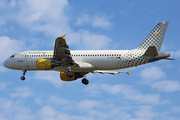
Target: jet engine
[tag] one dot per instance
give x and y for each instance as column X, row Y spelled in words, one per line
column 64, row 76
column 46, row 64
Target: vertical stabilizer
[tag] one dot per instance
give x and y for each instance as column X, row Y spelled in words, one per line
column 155, row 37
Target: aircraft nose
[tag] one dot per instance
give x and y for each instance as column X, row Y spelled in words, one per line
column 6, row 63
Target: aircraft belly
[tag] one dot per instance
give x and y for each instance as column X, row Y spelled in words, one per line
column 73, row 69
column 102, row 63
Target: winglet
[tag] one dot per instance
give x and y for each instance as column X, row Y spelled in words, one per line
column 63, row 36
column 128, row 72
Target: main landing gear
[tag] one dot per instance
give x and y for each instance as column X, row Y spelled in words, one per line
column 85, row 81
column 22, row 77
column 69, row 74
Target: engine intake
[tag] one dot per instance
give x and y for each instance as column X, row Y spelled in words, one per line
column 46, row 64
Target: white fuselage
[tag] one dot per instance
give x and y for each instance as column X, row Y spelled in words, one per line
column 88, row 60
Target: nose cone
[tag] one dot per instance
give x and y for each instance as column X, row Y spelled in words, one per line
column 7, row 63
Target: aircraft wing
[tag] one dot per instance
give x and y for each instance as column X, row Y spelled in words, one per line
column 62, row 52
column 109, row 72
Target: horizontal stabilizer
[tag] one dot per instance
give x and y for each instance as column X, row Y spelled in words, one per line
column 151, row 51
column 168, row 59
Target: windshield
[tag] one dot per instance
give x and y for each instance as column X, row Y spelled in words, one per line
column 12, row 56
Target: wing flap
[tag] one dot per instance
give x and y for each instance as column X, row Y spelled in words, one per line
column 109, row 72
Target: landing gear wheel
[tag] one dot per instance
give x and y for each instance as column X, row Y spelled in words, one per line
column 69, row 74
column 22, row 78
column 85, row 81
column 24, row 72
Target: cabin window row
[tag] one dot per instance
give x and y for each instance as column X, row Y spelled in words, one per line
column 38, row 55
column 116, row 55
column 98, row 55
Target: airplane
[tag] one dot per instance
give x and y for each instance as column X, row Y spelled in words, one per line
column 74, row 64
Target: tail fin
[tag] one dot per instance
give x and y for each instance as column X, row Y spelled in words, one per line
column 155, row 37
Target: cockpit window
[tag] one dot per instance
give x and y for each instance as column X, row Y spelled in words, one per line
column 12, row 56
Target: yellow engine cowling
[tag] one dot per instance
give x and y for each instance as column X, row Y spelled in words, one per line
column 44, row 64
column 64, row 77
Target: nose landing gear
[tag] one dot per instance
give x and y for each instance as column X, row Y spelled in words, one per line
column 24, row 72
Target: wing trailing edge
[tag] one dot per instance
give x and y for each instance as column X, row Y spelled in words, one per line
column 110, row 72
